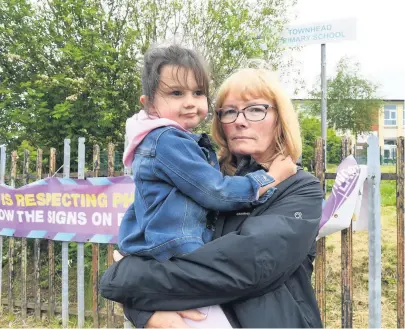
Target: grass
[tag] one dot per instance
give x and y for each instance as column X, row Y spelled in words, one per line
column 360, row 275
column 14, row 320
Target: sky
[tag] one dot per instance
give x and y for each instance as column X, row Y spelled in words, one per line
column 379, row 46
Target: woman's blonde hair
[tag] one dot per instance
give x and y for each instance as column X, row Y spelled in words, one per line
column 259, row 83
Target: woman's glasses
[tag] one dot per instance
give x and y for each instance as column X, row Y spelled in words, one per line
column 255, row 112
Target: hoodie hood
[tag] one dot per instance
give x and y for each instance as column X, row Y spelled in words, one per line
column 137, row 127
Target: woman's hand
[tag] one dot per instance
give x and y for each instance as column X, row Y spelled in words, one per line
column 163, row 319
column 117, row 256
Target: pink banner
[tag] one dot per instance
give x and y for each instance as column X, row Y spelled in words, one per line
column 63, row 209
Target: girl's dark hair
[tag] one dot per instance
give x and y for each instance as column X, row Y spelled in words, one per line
column 159, row 56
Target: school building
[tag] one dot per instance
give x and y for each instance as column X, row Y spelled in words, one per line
column 389, row 126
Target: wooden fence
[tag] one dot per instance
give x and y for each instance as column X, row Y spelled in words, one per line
column 44, row 289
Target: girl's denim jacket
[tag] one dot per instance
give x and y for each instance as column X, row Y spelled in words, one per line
column 178, row 182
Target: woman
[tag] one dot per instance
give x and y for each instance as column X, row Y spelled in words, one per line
column 259, row 266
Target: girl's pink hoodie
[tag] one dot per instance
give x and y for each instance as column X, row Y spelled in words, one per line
column 137, row 127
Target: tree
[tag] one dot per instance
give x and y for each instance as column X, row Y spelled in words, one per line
column 71, row 68
column 229, row 32
column 310, row 131
column 68, row 71
column 352, row 101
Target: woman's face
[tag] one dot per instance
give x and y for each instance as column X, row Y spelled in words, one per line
column 248, row 137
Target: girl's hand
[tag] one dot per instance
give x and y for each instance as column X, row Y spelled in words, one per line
column 282, row 168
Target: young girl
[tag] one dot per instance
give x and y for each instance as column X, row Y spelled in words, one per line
column 176, row 173
column 179, row 188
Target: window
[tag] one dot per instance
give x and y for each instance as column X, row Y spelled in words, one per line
column 390, row 151
column 390, row 115
column 390, row 142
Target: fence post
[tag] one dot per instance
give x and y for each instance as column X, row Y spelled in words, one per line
column 374, row 233
column 24, row 246
column 2, row 163
column 11, row 241
column 10, row 275
column 80, row 245
column 110, row 247
column 95, row 248
column 13, row 175
column 65, row 246
column 2, row 175
column 400, row 232
column 37, row 251
column 320, row 261
column 346, row 257
column 51, row 253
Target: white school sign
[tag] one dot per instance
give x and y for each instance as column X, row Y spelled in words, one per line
column 319, row 33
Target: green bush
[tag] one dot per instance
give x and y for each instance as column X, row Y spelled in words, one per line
column 311, row 130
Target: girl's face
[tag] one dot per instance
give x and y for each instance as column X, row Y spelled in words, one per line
column 246, row 137
column 179, row 98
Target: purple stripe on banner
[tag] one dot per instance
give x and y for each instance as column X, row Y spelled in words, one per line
column 21, row 233
column 122, row 180
column 50, row 235
column 83, row 182
column 82, row 237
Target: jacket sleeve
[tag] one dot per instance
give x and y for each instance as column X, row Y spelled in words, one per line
column 137, row 317
column 181, row 162
column 267, row 249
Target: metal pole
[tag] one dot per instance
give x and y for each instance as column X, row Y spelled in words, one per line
column 2, row 174
column 324, row 126
column 2, row 164
column 374, row 234
column 80, row 245
column 400, row 232
column 95, row 249
column 65, row 246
